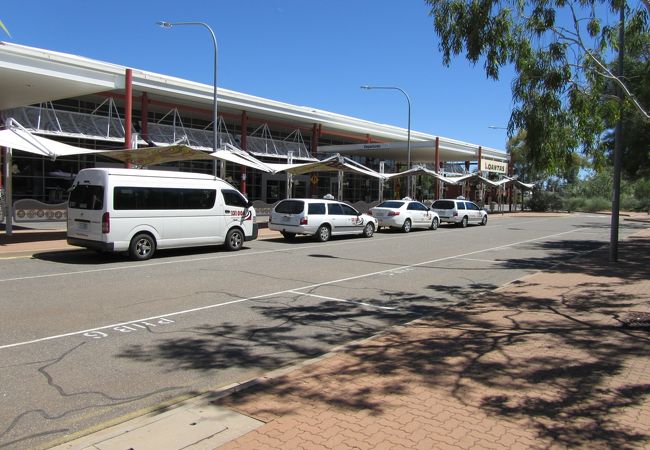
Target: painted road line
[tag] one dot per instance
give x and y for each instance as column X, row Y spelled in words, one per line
column 369, row 305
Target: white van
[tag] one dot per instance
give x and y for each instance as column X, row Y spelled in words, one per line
column 140, row 211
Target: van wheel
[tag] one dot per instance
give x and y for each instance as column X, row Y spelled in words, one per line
column 234, row 239
column 463, row 223
column 434, row 224
column 288, row 236
column 368, row 230
column 142, row 247
column 484, row 221
column 407, row 226
column 323, row 233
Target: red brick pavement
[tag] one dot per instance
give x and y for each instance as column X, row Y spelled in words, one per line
column 541, row 363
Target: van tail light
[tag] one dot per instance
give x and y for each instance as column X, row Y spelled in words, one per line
column 455, row 214
column 303, row 220
column 393, row 213
column 106, row 223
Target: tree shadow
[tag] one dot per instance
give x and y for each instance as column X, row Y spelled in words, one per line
column 556, row 364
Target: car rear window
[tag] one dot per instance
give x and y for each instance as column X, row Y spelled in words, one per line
column 316, row 208
column 390, row 204
column 290, row 207
column 86, row 196
column 443, row 204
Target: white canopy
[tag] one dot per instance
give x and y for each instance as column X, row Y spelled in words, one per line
column 334, row 163
column 21, row 139
column 421, row 170
column 237, row 156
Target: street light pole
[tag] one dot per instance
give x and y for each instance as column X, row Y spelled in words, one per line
column 215, row 126
column 408, row 139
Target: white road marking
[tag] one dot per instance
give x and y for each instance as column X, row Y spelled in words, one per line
column 369, row 305
column 286, row 291
column 491, row 261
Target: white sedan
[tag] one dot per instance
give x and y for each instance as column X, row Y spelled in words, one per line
column 405, row 214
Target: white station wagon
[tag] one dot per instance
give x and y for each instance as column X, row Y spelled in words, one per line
column 460, row 212
column 320, row 218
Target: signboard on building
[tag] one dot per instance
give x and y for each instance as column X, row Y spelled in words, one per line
column 494, row 166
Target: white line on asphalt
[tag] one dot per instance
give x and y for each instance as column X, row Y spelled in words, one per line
column 480, row 260
column 311, row 286
column 369, row 305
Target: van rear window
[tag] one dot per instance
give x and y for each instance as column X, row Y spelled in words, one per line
column 290, row 207
column 131, row 198
column 86, row 196
column 443, row 204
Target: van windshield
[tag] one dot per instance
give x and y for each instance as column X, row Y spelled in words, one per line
column 86, row 196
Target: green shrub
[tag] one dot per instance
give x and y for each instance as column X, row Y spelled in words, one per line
column 574, row 204
column 542, row 201
column 597, row 204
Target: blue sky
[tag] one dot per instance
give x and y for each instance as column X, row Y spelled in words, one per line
column 301, row 52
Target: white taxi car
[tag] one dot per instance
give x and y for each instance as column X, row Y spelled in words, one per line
column 405, row 214
column 460, row 212
column 321, row 218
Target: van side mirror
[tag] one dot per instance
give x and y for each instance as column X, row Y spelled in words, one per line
column 249, row 204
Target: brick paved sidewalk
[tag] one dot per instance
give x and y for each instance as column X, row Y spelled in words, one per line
column 542, row 363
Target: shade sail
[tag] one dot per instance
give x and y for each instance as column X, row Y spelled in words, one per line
column 237, row 156
column 333, row 163
column 21, row 139
column 421, row 170
column 148, row 156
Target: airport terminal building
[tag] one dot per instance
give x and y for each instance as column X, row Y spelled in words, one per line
column 97, row 105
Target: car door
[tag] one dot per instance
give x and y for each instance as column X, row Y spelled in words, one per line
column 420, row 214
column 336, row 218
column 353, row 221
column 473, row 212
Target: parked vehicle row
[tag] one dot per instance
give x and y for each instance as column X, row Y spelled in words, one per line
column 323, row 218
column 140, row 211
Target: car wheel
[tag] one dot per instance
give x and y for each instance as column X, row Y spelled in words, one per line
column 142, row 247
column 463, row 223
column 369, row 230
column 484, row 221
column 323, row 233
column 434, row 223
column 234, row 239
column 288, row 236
column 407, row 226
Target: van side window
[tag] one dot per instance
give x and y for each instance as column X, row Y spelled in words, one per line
column 316, row 208
column 460, row 205
column 85, row 196
column 147, row 198
column 234, row 198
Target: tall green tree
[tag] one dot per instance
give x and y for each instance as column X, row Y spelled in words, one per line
column 559, row 50
column 636, row 135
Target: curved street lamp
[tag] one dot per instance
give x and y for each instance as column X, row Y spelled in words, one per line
column 408, row 139
column 215, row 135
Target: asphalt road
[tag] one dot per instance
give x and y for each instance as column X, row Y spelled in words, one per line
column 87, row 340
